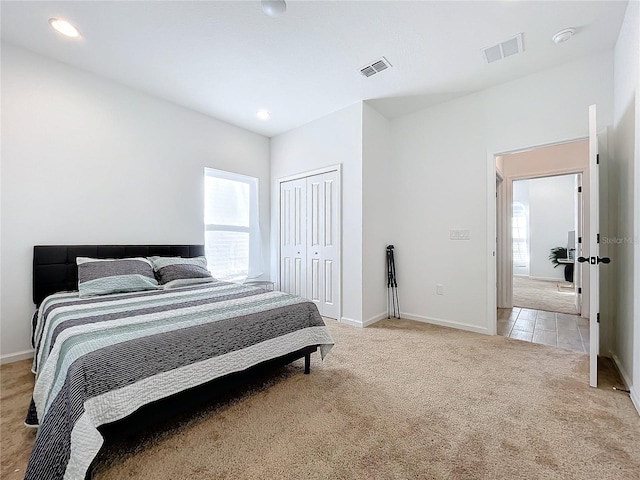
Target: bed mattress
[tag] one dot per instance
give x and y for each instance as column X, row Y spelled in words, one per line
column 99, row 359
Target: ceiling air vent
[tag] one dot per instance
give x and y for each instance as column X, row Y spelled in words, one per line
column 503, row 49
column 375, row 67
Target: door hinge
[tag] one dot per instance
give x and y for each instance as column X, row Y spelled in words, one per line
column 579, row 239
column 579, row 290
column 579, row 189
column 598, row 238
column 597, row 159
column 598, row 317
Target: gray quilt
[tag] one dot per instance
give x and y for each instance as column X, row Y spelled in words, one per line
column 100, row 359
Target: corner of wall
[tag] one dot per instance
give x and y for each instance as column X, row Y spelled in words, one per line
column 626, row 161
column 634, row 392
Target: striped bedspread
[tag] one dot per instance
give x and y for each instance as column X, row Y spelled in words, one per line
column 100, row 359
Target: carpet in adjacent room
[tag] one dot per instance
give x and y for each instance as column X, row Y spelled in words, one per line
column 543, row 295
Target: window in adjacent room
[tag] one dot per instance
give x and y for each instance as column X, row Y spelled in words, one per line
column 231, row 223
column 520, row 235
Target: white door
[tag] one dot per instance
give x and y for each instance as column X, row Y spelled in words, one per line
column 309, row 240
column 293, row 237
column 322, row 242
column 593, row 258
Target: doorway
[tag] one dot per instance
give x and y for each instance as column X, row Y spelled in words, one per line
column 540, row 219
column 546, row 226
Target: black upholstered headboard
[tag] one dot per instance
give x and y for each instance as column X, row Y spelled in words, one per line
column 55, row 269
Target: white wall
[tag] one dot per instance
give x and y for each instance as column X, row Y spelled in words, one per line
column 441, row 179
column 88, row 161
column 377, row 211
column 550, row 106
column 551, row 216
column 634, row 23
column 440, row 184
column 331, row 140
column 624, row 185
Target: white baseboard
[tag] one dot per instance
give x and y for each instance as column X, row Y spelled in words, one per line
column 366, row 323
column 374, row 319
column 549, row 279
column 635, row 398
column 16, row 357
column 623, row 373
column 351, row 321
column 633, row 392
column 445, row 323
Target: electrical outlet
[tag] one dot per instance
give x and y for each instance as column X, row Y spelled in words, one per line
column 440, row 289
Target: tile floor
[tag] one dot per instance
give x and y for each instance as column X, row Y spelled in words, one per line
column 549, row 328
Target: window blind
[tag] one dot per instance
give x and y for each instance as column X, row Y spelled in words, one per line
column 233, row 245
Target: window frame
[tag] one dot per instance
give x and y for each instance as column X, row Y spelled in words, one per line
column 520, row 242
column 254, row 213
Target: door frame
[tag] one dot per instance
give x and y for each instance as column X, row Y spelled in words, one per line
column 310, row 173
column 492, row 232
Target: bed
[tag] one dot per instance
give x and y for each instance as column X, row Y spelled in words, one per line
column 101, row 360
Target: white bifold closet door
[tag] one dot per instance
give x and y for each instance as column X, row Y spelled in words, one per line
column 293, row 237
column 309, row 240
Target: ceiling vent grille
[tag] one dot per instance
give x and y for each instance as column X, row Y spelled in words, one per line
column 375, row 67
column 503, row 49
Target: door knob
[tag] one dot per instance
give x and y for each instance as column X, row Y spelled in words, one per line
column 593, row 260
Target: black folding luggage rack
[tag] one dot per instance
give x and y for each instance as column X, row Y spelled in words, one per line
column 392, row 285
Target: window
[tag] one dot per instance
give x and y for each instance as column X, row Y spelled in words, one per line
column 520, row 235
column 231, row 223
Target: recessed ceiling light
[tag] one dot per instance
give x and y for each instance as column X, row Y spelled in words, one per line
column 274, row 8
column 263, row 115
column 563, row 35
column 64, row 27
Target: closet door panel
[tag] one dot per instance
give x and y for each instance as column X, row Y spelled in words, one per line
column 315, row 290
column 329, row 250
column 314, row 214
column 309, row 240
column 315, row 227
column 328, row 282
column 293, row 234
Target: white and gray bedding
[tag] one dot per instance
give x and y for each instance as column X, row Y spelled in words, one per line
column 100, row 359
column 169, row 269
column 104, row 276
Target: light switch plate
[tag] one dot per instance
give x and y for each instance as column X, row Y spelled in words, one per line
column 459, row 234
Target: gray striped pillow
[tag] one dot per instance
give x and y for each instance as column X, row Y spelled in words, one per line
column 104, row 276
column 169, row 269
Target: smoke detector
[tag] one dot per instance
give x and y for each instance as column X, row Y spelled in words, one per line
column 503, row 49
column 375, row 67
column 274, row 8
column 563, row 35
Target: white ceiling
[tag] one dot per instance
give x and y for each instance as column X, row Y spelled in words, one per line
column 228, row 59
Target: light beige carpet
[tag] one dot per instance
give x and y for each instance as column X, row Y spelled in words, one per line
column 398, row 400
column 543, row 295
